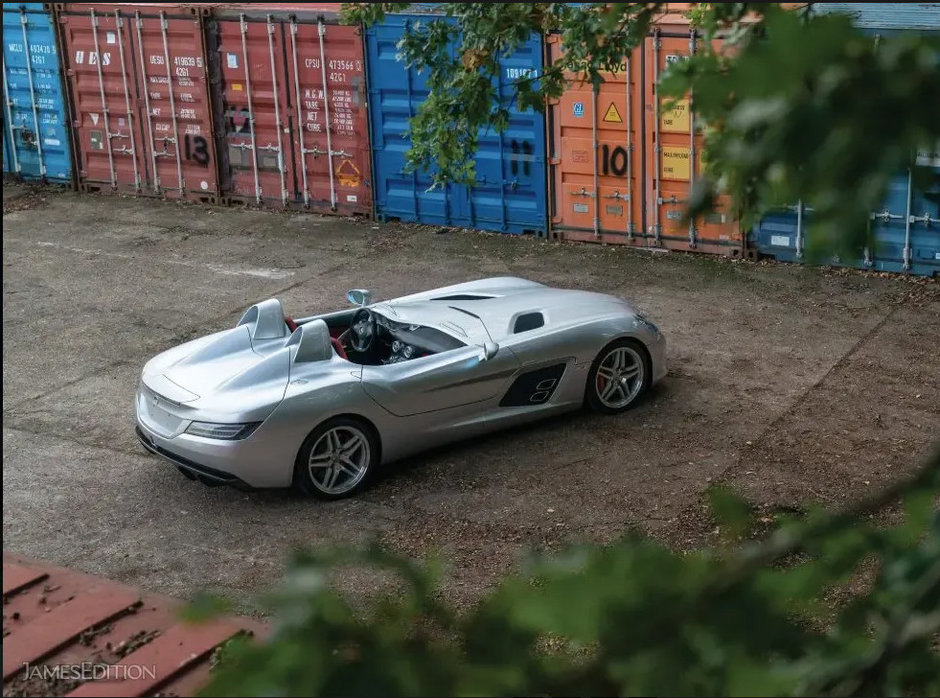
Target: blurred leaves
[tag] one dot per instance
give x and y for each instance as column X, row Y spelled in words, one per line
column 632, row 618
column 794, row 105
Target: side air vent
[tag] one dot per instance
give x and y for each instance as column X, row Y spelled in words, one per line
column 528, row 321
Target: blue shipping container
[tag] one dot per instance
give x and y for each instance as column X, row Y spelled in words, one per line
column 905, row 231
column 903, row 16
column 36, row 133
column 510, row 194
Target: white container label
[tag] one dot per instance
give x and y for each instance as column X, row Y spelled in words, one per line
column 231, row 60
column 52, row 141
column 352, row 198
column 581, row 208
column 111, row 38
column 780, row 241
column 936, row 255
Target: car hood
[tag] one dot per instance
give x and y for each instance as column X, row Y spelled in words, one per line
column 225, row 365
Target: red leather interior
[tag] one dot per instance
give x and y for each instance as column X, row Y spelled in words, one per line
column 291, row 325
column 338, row 347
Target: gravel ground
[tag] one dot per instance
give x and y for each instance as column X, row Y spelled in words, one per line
column 789, row 383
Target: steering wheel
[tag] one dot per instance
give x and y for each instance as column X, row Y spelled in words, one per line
column 362, row 330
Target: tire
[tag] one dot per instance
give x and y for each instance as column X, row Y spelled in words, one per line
column 634, row 368
column 321, row 473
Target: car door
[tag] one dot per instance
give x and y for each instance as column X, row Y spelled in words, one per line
column 450, row 379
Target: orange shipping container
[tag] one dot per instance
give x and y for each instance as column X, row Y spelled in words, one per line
column 623, row 166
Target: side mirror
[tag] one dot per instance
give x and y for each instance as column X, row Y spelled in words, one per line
column 359, row 296
column 489, row 350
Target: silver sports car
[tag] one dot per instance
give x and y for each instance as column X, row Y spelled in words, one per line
column 321, row 402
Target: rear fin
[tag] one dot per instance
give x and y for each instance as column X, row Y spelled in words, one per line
column 265, row 320
column 312, row 340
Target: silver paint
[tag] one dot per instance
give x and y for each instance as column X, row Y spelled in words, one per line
column 292, row 382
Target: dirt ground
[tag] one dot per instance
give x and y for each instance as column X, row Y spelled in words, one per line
column 789, row 383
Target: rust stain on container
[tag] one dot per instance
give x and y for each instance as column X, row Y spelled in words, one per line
column 292, row 122
column 141, row 108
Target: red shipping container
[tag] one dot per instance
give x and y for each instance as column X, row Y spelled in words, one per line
column 140, row 104
column 292, row 125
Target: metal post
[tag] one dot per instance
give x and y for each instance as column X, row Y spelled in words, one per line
column 7, row 103
column 691, row 146
column 301, row 125
column 277, row 112
column 169, row 87
column 657, row 150
column 251, row 110
column 32, row 91
column 119, row 24
column 143, row 70
column 629, row 198
column 907, row 224
column 596, row 146
column 321, row 31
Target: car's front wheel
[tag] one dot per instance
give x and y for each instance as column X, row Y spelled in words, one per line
column 337, row 459
column 619, row 376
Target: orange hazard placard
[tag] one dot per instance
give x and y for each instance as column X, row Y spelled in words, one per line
column 348, row 174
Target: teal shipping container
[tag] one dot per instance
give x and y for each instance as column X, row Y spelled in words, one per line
column 35, row 124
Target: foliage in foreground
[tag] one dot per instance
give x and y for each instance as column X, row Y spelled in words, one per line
column 632, row 618
column 794, row 105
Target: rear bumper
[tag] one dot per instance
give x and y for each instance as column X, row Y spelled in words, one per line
column 251, row 462
column 205, row 472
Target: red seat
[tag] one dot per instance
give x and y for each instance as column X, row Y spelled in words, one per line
column 338, row 347
column 291, row 325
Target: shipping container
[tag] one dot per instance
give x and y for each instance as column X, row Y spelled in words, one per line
column 905, row 231
column 140, row 103
column 594, row 139
column 35, row 127
column 890, row 16
column 291, row 112
column 624, row 159
column 510, row 193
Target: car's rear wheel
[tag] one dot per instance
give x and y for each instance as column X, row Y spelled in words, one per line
column 337, row 459
column 619, row 376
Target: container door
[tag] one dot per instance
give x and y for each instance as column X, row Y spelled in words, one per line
column 99, row 56
column 674, row 157
column 925, row 219
column 171, row 68
column 254, row 139
column 595, row 172
column 394, row 96
column 36, row 136
column 330, row 142
column 509, row 196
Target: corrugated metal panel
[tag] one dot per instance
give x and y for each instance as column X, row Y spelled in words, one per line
column 291, row 122
column 921, row 16
column 36, row 133
column 623, row 166
column 510, row 193
column 143, row 117
column 905, row 230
